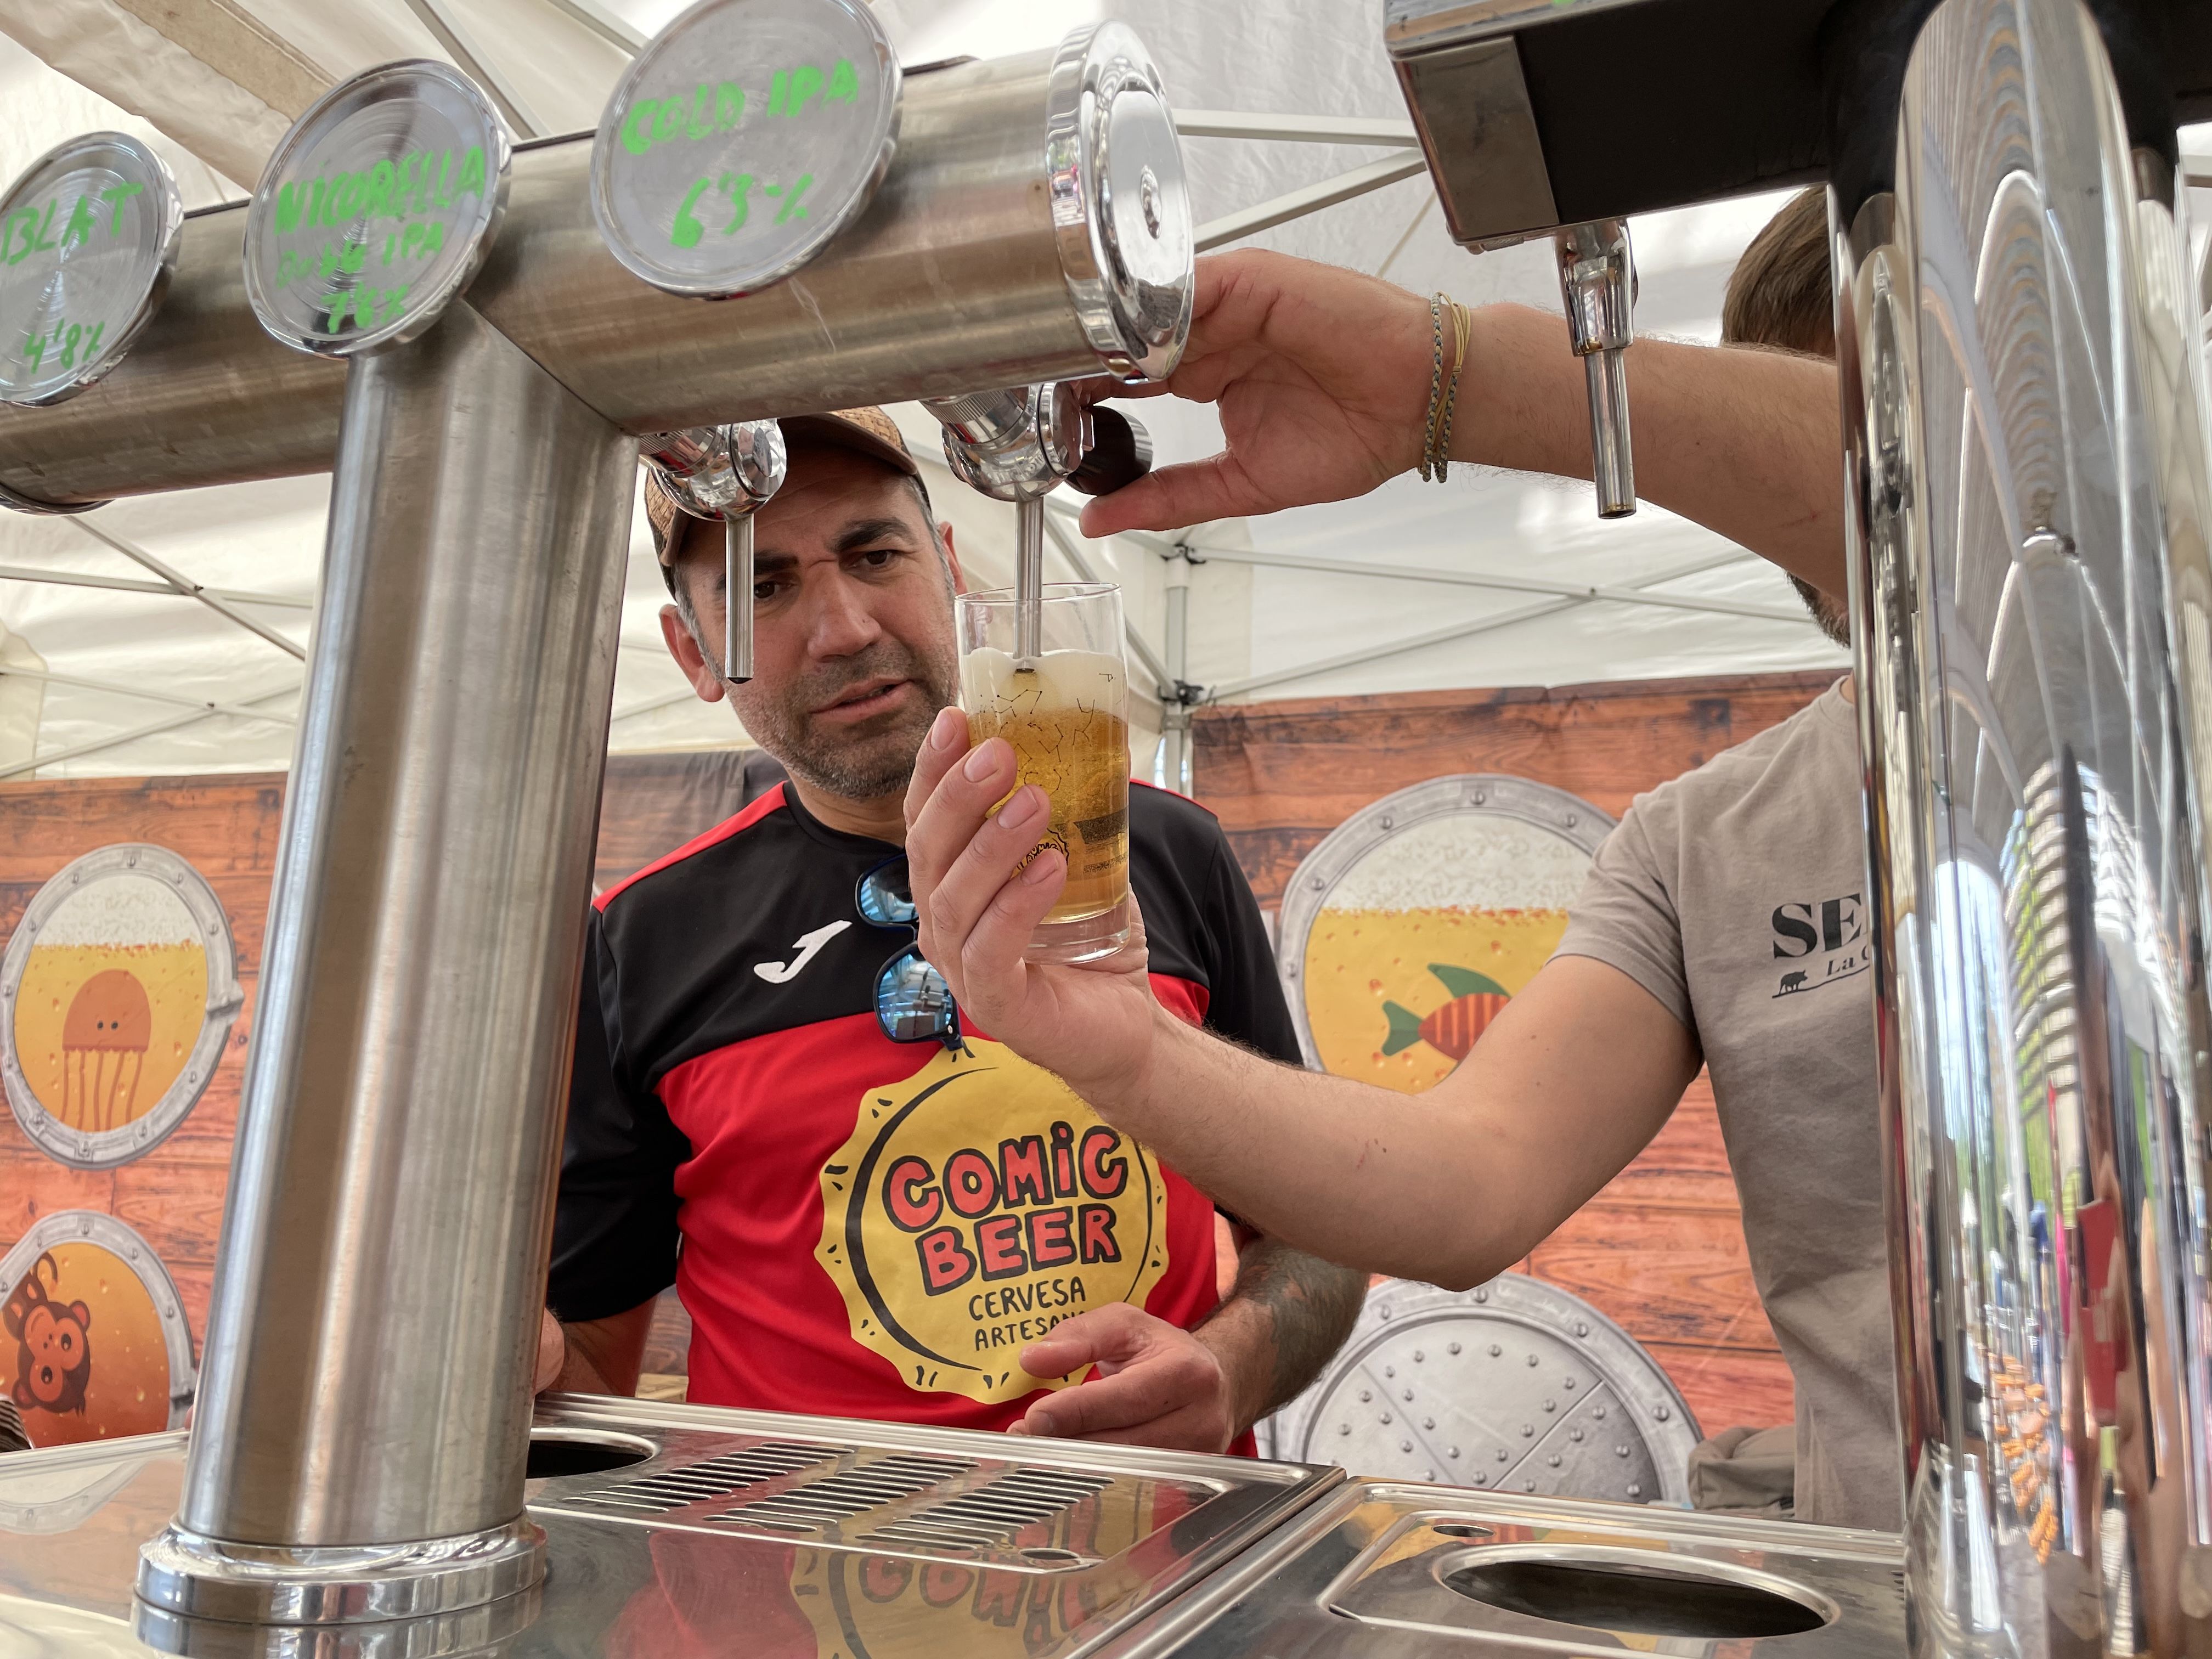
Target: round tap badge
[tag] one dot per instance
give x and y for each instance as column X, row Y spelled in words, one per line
column 376, row 209
column 745, row 136
column 88, row 237
column 1421, row 916
column 118, row 990
column 93, row 1342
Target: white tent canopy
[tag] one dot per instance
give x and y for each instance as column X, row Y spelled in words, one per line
column 132, row 677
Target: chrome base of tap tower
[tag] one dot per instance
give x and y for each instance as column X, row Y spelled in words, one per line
column 197, row 1578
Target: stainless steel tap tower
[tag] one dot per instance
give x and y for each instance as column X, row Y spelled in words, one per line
column 360, row 1447
column 2030, row 503
column 2024, row 414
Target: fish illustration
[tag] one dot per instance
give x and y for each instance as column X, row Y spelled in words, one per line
column 1452, row 1029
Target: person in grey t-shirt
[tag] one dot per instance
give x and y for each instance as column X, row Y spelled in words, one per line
column 1723, row 924
column 1735, row 895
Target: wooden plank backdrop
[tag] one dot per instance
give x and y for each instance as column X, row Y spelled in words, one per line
column 1660, row 1250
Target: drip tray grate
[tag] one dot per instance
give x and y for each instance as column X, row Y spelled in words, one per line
column 667, row 1491
column 811, row 1505
column 994, row 1514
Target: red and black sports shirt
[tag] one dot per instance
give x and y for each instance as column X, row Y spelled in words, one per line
column 859, row 1227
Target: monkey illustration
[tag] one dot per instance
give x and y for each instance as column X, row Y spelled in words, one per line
column 53, row 1355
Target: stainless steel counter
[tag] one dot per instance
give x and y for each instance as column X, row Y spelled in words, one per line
column 723, row 1531
column 1380, row 1569
column 809, row 1538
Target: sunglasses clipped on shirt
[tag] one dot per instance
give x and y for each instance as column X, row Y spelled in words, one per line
column 912, row 1002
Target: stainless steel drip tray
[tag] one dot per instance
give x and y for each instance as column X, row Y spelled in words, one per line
column 1027, row 1506
column 1375, row 1568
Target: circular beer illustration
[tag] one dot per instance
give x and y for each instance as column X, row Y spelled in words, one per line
column 93, row 1342
column 1413, row 925
column 116, row 993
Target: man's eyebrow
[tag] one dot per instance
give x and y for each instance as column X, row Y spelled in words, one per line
column 866, row 532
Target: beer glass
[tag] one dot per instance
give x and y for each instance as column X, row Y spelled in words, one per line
column 1066, row 714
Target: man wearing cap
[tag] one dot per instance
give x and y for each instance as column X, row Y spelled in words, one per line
column 869, row 1208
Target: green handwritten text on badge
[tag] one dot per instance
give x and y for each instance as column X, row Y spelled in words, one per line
column 427, row 182
column 31, row 230
column 707, row 109
column 72, row 346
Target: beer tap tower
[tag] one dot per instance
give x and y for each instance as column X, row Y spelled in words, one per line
column 2027, row 513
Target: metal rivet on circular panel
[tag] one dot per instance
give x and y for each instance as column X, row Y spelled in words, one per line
column 375, row 209
column 88, row 237
column 742, row 140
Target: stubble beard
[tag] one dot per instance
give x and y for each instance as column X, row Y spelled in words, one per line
column 859, row 762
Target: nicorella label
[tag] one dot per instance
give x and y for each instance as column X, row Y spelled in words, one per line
column 376, row 209
column 745, row 138
column 88, row 236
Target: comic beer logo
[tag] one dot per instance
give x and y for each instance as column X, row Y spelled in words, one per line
column 118, row 990
column 978, row 1204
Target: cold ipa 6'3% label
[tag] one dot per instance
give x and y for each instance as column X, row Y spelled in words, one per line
column 1065, row 717
column 744, row 137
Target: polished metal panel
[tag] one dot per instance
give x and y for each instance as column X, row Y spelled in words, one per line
column 953, row 281
column 1514, row 1386
column 367, row 1369
column 2033, row 611
column 1380, row 1569
column 1470, row 107
column 740, row 1531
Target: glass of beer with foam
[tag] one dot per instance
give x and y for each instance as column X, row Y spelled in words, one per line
column 1067, row 713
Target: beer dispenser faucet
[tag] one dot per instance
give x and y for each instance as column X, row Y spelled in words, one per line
column 1597, row 278
column 724, row 473
column 1019, row 446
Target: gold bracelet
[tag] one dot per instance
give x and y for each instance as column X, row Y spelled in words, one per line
column 1443, row 395
column 1462, row 325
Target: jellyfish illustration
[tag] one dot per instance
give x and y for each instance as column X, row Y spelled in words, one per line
column 105, row 1036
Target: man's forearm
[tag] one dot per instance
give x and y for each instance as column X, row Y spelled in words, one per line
column 1742, row 441
column 1283, row 1317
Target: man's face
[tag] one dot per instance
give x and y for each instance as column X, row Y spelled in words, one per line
column 854, row 651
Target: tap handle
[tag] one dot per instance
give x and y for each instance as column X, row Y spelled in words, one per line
column 1121, row 454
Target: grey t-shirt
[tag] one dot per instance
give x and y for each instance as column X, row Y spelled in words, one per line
column 1734, row 894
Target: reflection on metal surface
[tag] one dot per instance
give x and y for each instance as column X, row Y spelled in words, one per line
column 725, row 474
column 2023, row 406
column 1017, row 1550
column 1370, row 1570
column 119, row 989
column 1514, row 1385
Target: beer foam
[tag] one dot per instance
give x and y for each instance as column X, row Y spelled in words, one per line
column 126, row 909
column 1482, row 861
column 1061, row 680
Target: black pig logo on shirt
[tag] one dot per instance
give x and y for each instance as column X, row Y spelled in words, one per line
column 978, row 1204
